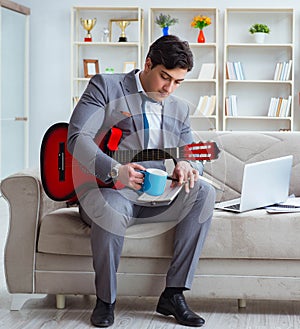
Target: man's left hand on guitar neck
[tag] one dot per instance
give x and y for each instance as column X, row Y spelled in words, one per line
column 184, row 173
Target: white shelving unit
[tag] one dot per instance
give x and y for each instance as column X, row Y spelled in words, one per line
column 193, row 88
column 110, row 53
column 258, row 61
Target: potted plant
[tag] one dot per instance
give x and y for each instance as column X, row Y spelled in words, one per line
column 164, row 21
column 259, row 31
column 200, row 22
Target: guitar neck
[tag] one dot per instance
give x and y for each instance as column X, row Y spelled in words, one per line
column 126, row 156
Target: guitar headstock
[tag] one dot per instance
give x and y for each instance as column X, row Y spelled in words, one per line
column 202, row 151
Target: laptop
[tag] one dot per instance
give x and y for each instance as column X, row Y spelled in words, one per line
column 264, row 183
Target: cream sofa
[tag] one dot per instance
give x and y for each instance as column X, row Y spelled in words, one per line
column 253, row 255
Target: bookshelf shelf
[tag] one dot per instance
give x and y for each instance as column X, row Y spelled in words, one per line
column 193, row 88
column 105, row 48
column 253, row 94
column 261, row 117
column 106, row 44
column 260, row 81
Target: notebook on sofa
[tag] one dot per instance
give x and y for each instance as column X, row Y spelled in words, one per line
column 264, row 183
column 165, row 199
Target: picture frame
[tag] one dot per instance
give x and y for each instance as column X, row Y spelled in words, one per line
column 90, row 67
column 128, row 66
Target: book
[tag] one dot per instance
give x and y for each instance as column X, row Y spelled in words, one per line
column 231, row 105
column 276, row 73
column 283, row 71
column 235, row 71
column 231, row 75
column 207, row 71
column 165, row 199
column 292, row 204
column 271, row 107
column 238, row 70
column 288, row 106
column 211, row 104
column 197, row 110
column 227, row 106
column 288, row 71
column 201, row 105
column 170, row 193
column 206, row 105
column 279, row 107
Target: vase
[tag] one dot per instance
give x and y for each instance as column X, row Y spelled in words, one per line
column 259, row 37
column 165, row 30
column 201, row 37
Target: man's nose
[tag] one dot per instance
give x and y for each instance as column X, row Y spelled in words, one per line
column 169, row 86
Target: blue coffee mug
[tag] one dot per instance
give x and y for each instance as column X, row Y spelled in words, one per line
column 154, row 181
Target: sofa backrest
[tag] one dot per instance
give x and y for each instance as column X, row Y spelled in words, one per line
column 239, row 148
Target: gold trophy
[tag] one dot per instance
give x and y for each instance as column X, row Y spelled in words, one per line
column 123, row 25
column 88, row 25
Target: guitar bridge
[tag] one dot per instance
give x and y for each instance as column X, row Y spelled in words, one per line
column 61, row 162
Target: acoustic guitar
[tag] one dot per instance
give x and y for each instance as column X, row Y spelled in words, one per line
column 63, row 177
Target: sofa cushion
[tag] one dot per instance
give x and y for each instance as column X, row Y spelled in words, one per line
column 63, row 232
column 254, row 234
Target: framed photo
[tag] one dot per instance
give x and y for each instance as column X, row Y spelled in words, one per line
column 90, row 67
column 128, row 66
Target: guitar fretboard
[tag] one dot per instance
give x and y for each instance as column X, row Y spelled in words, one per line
column 126, row 156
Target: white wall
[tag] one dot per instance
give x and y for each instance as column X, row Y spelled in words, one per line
column 50, row 92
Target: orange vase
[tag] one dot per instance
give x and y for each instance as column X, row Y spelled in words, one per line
column 201, row 37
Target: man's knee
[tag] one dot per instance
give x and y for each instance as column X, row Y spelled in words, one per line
column 206, row 201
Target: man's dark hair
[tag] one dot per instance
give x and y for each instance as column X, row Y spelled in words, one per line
column 171, row 52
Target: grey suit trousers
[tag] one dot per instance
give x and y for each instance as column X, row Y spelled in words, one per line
column 110, row 212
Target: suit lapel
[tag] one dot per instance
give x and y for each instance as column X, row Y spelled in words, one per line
column 133, row 101
column 168, row 124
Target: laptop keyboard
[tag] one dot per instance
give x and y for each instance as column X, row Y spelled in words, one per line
column 234, row 206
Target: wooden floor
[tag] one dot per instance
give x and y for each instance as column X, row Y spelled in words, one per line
column 138, row 313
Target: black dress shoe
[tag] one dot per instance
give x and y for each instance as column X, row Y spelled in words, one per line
column 103, row 314
column 176, row 306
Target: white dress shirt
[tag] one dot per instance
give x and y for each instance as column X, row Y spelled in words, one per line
column 154, row 115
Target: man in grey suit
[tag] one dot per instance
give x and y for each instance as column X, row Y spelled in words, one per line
column 140, row 105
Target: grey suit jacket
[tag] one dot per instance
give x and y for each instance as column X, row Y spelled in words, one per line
column 113, row 100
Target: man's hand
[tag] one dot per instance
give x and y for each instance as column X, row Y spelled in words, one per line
column 185, row 174
column 129, row 176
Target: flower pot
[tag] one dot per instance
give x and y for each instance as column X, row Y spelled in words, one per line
column 259, row 37
column 165, row 30
column 201, row 37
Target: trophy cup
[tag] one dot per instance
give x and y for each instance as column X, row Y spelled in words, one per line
column 88, row 25
column 123, row 25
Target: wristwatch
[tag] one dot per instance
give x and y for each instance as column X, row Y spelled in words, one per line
column 114, row 173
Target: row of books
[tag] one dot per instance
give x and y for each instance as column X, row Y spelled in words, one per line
column 279, row 107
column 283, row 71
column 235, row 71
column 231, row 105
column 206, row 105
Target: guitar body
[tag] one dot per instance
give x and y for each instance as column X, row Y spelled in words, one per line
column 59, row 168
column 58, row 186
column 64, row 178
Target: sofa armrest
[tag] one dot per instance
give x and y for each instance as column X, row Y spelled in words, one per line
column 27, row 204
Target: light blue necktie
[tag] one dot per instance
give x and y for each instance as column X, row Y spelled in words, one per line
column 145, row 121
column 146, row 99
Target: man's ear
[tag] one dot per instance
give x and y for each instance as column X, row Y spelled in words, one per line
column 148, row 64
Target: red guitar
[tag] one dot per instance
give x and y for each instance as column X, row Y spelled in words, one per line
column 59, row 168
